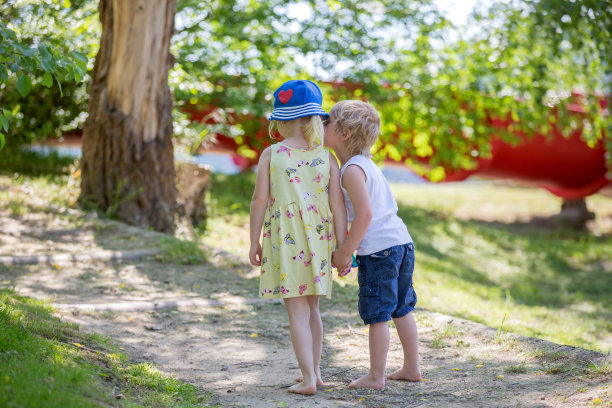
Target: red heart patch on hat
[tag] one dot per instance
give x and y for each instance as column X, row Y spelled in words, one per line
column 284, row 96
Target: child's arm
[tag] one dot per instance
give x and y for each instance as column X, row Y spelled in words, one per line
column 354, row 181
column 336, row 201
column 261, row 196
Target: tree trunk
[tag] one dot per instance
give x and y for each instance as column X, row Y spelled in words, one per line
column 575, row 214
column 128, row 164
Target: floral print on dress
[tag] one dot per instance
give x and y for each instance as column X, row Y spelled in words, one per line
column 297, row 235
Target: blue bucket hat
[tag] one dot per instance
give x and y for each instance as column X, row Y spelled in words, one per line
column 297, row 98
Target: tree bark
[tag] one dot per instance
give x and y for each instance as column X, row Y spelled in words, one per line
column 128, row 160
column 575, row 214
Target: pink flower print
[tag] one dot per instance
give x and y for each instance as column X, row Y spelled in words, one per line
column 284, row 291
column 327, row 237
column 303, row 163
column 266, row 290
column 307, row 263
column 303, row 288
column 318, row 178
column 268, row 234
column 290, row 214
column 299, row 256
column 313, row 207
column 312, row 254
column 272, row 200
column 317, row 279
column 284, row 149
column 295, row 180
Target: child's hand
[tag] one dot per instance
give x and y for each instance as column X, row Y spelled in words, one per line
column 341, row 262
column 343, row 272
column 255, row 254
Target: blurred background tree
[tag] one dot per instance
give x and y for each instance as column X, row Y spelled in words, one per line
column 42, row 43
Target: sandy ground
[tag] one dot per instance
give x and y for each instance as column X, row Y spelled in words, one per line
column 204, row 325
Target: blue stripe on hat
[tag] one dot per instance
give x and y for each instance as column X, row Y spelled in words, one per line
column 294, row 112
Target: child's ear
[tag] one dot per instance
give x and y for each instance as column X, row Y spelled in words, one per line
column 345, row 136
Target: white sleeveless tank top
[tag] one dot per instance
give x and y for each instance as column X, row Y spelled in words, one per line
column 386, row 228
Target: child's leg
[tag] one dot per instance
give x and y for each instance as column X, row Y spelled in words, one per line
column 408, row 334
column 316, row 328
column 298, row 309
column 379, row 347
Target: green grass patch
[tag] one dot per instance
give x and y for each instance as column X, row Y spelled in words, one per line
column 602, row 367
column 45, row 362
column 180, row 252
column 25, row 162
column 486, row 253
column 517, row 369
column 230, row 195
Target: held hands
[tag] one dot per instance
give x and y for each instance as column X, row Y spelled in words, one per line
column 255, row 254
column 342, row 263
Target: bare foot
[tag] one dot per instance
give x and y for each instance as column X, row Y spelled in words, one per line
column 319, row 380
column 304, row 389
column 368, row 382
column 406, row 375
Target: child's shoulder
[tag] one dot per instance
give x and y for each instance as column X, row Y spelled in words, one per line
column 266, row 154
column 359, row 160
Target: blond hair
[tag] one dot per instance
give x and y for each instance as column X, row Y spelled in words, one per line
column 362, row 121
column 311, row 127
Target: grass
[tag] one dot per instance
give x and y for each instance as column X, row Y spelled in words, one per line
column 603, row 367
column 547, row 281
column 14, row 160
column 180, row 252
column 486, row 253
column 30, row 181
column 517, row 369
column 50, row 363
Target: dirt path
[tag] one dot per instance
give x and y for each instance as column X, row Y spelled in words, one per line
column 205, row 325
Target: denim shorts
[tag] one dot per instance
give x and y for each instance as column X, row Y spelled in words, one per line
column 385, row 284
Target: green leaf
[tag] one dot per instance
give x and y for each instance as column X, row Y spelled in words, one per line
column 3, row 74
column 27, row 51
column 80, row 56
column 1, row 140
column 5, row 123
column 48, row 65
column 45, row 54
column 24, row 83
column 48, row 80
column 69, row 75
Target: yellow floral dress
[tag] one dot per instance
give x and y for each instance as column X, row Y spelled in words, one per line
column 298, row 235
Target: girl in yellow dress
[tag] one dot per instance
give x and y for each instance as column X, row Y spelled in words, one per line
column 297, row 190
